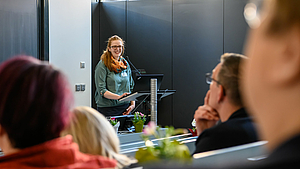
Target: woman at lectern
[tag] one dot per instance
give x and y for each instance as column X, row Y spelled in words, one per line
column 113, row 80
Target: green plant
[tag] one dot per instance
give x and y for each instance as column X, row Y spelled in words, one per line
column 113, row 121
column 138, row 116
column 166, row 149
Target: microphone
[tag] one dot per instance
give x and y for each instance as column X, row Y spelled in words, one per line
column 127, row 57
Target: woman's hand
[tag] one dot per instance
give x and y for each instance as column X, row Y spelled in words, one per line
column 129, row 109
column 123, row 95
column 113, row 96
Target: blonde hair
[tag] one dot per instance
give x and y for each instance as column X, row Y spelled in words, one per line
column 106, row 56
column 95, row 135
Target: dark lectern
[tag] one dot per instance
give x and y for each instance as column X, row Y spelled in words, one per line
column 148, row 85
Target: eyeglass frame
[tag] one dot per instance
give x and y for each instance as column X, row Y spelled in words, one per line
column 116, row 47
column 209, row 79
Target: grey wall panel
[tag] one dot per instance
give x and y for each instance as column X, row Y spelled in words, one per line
column 149, row 44
column 18, row 28
column 197, row 46
column 112, row 21
column 111, row 18
column 95, row 45
column 235, row 27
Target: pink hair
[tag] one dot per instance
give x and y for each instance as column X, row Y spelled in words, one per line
column 35, row 101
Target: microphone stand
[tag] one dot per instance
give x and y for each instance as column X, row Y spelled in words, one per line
column 127, row 57
column 136, row 107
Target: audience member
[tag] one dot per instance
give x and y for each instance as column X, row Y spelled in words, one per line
column 271, row 81
column 223, row 102
column 35, row 101
column 95, row 135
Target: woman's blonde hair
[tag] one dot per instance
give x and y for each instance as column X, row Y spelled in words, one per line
column 95, row 135
column 106, row 56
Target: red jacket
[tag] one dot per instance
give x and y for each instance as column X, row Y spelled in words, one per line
column 55, row 154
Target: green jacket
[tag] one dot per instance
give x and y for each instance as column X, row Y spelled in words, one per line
column 117, row 83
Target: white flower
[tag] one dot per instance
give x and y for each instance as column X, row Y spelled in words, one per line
column 148, row 143
column 194, row 123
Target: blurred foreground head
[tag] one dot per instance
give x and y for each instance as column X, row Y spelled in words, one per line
column 92, row 132
column 271, row 82
column 35, row 100
column 95, row 135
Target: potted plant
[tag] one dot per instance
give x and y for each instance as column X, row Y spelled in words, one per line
column 138, row 121
column 113, row 121
column 166, row 149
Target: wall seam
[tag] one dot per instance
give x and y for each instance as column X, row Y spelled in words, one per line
column 126, row 22
column 223, row 20
column 172, row 61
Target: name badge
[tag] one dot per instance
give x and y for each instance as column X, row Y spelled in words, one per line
column 123, row 74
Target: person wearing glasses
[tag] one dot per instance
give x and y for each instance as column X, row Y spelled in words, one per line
column 113, row 80
column 223, row 102
column 271, row 82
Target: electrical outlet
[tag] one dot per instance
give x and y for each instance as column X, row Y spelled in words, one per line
column 77, row 87
column 82, row 86
column 82, row 65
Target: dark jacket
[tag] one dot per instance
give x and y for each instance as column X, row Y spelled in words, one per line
column 285, row 156
column 237, row 130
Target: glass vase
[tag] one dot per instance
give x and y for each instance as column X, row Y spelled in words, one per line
column 116, row 127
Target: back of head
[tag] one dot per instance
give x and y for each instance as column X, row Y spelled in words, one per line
column 229, row 76
column 92, row 132
column 95, row 135
column 271, row 83
column 35, row 100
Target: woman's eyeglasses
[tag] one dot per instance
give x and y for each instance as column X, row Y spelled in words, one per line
column 116, row 47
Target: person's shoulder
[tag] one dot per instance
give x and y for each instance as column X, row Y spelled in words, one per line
column 221, row 127
column 223, row 130
column 95, row 160
column 106, row 162
column 100, row 65
column 212, row 134
column 237, row 122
